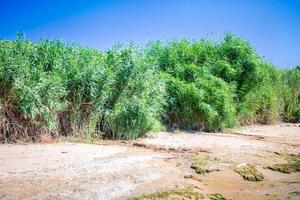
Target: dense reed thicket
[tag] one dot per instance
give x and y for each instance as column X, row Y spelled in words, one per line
column 55, row 88
column 291, row 94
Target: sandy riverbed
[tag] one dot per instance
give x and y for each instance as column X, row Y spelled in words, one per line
column 158, row 162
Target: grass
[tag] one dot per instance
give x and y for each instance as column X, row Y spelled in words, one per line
column 291, row 91
column 217, row 196
column 292, row 164
column 294, row 195
column 196, row 178
column 286, row 167
column 183, row 194
column 202, row 165
column 53, row 88
column 249, row 173
column 291, row 182
column 59, row 89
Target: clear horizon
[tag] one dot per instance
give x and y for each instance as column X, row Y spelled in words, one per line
column 272, row 27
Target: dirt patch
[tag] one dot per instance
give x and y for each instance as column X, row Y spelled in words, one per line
column 82, row 171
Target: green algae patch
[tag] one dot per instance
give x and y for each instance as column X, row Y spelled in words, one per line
column 294, row 195
column 291, row 182
column 202, row 164
column 249, row 172
column 217, row 196
column 286, row 167
column 292, row 164
column 184, row 194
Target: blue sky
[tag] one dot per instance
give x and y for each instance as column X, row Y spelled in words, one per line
column 272, row 26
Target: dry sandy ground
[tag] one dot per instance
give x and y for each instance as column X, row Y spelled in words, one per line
column 256, row 145
column 158, row 162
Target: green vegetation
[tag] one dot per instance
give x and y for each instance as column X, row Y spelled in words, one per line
column 249, row 173
column 186, row 193
column 202, row 165
column 291, row 94
column 294, row 195
column 55, row 88
column 293, row 164
column 217, row 196
column 215, row 85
